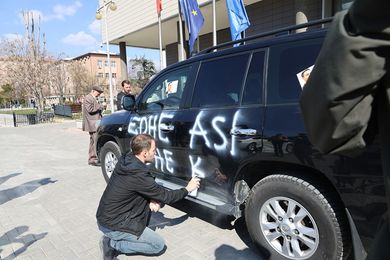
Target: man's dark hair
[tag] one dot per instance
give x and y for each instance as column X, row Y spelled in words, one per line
column 141, row 142
column 125, row 82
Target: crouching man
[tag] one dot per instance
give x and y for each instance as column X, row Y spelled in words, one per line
column 128, row 200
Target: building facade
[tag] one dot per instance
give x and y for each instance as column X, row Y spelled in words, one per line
column 135, row 23
column 97, row 66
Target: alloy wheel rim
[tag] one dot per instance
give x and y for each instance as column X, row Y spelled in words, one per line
column 110, row 161
column 289, row 228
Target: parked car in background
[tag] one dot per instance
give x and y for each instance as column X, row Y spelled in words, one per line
column 231, row 116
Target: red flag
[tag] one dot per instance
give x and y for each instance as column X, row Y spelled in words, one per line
column 159, row 7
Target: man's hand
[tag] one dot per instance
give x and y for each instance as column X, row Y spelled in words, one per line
column 154, row 205
column 193, row 184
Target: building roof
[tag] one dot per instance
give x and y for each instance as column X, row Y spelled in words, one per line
column 115, row 55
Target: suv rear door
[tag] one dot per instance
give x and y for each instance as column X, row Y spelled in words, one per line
column 284, row 133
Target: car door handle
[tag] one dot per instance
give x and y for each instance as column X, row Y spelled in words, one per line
column 166, row 127
column 240, row 131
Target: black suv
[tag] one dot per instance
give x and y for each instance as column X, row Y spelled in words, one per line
column 231, row 116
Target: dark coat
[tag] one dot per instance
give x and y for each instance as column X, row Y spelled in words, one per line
column 350, row 73
column 119, row 100
column 124, row 205
column 348, row 92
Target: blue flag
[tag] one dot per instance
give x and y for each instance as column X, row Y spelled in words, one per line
column 193, row 18
column 238, row 18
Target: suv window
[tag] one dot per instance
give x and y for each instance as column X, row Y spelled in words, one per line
column 166, row 92
column 287, row 63
column 219, row 82
column 253, row 92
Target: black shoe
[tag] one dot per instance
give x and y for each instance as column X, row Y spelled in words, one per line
column 94, row 163
column 108, row 253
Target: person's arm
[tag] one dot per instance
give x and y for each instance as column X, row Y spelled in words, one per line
column 337, row 99
column 119, row 100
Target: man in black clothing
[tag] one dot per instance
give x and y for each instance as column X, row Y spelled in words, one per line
column 128, row 200
column 126, row 90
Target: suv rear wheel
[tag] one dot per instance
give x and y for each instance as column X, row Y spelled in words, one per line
column 109, row 156
column 293, row 218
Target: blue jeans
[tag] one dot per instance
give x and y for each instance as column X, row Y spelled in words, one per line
column 149, row 243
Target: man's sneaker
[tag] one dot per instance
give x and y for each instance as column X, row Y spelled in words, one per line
column 108, row 253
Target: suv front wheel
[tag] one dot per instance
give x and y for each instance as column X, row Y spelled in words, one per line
column 293, row 218
column 109, row 156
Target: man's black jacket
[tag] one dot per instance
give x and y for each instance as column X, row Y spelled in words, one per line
column 124, row 205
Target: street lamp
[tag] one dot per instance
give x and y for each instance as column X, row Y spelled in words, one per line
column 107, row 4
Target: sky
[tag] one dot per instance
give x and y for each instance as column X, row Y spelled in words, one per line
column 69, row 25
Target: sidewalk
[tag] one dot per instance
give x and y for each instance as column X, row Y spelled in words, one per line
column 49, row 196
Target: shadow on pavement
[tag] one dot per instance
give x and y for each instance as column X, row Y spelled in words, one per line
column 21, row 190
column 158, row 220
column 228, row 252
column 225, row 222
column 9, row 176
column 15, row 236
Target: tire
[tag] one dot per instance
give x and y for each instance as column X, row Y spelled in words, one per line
column 109, row 156
column 293, row 218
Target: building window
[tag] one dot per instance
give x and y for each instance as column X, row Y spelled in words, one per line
column 105, row 63
column 113, row 64
column 107, row 75
column 99, row 64
column 100, row 75
column 114, row 75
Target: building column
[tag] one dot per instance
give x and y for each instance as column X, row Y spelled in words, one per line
column 184, row 42
column 123, row 58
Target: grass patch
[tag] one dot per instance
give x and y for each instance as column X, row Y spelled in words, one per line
column 29, row 111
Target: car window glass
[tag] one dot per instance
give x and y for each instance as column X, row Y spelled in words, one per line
column 289, row 66
column 166, row 92
column 219, row 82
column 253, row 91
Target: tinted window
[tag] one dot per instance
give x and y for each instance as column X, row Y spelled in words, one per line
column 253, row 91
column 219, row 82
column 166, row 92
column 289, row 67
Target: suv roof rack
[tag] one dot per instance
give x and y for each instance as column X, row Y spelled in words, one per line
column 287, row 30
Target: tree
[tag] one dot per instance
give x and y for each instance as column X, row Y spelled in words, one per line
column 80, row 78
column 144, row 68
column 59, row 79
column 28, row 63
column 6, row 94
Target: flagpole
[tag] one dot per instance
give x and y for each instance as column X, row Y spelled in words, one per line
column 181, row 34
column 160, row 41
column 214, row 25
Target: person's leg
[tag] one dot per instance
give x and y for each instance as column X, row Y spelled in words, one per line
column 149, row 243
column 91, row 151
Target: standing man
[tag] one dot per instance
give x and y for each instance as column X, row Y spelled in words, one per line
column 126, row 90
column 130, row 197
column 348, row 93
column 92, row 113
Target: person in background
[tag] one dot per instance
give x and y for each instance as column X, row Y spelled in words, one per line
column 92, row 114
column 128, row 200
column 347, row 96
column 126, row 90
